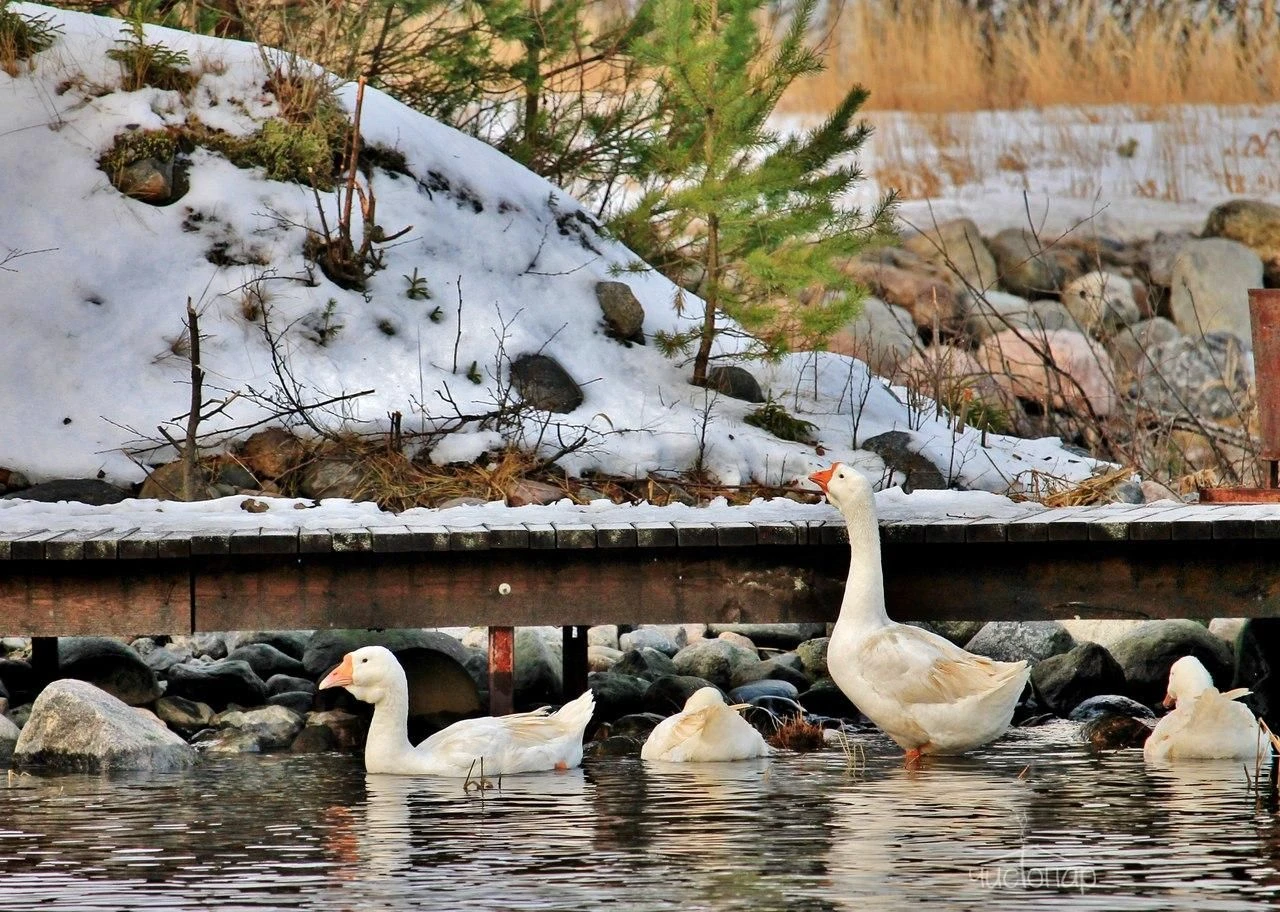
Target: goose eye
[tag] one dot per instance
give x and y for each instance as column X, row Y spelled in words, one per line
column 364, row 660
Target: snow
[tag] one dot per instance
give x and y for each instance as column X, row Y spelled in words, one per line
column 92, row 311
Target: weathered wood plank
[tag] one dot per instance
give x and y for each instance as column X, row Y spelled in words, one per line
column 619, row 535
column 66, row 598
column 656, row 535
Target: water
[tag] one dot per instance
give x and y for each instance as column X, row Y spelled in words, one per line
column 1035, row 821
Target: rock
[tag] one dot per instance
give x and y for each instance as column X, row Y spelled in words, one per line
column 19, row 680
column 539, row 671
column 602, row 658
column 813, row 657
column 958, row 632
column 765, row 688
column 329, row 478
column 1211, row 280
column 771, row 636
column 895, row 448
column 1012, row 641
column 956, row 244
column 544, row 384
column 824, row 698
column 623, row 313
column 735, row 382
column 645, row 662
column 76, row 726
column 616, row 694
column 1081, row 379
column 326, row 648
column 882, row 335
column 774, row 670
column 89, row 491
column 1161, row 252
column 1105, row 633
column 1110, row 732
column 162, row 659
column 637, row 725
column 996, row 311
column 723, row 664
column 930, row 299
column 267, row 661
column 1109, row 705
column 330, row 730
column 667, row 695
column 1254, row 223
column 291, row 642
column 283, row 683
column 946, row 371
column 1049, row 314
column 603, row 635
column 739, row 640
column 166, row 483
column 1147, row 653
column 1024, row 265
column 208, row 645
column 1257, row 666
column 1100, row 302
column 525, row 491
column 272, row 454
column 1131, row 346
column 9, row 734
column 1227, row 629
column 182, row 715
column 613, row 746
column 148, row 180
column 299, row 702
column 1063, row 681
column 12, row 480
column 1153, row 491
column 219, row 683
column 1204, row 377
column 272, row 727
column 109, row 665
column 667, row 640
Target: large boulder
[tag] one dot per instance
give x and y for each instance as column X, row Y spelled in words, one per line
column 995, row 311
column 1026, row 266
column 539, row 671
column 267, row 661
column 544, row 384
column 1131, row 347
column 1198, row 376
column 269, row 728
column 1061, row 682
column 219, row 683
column 771, row 636
column 291, row 642
column 623, row 313
column 617, row 695
column 76, row 726
column 326, row 648
column 1059, row 368
column 89, row 491
column 109, row 665
column 1254, row 223
column 1257, row 667
column 931, row 299
column 667, row 695
column 958, row 246
column 1101, row 302
column 9, row 734
column 1210, row 291
column 735, row 382
column 883, row 335
column 1013, row 641
column 646, row 662
column 718, row 661
column 813, row 657
column 1147, row 653
column 668, row 640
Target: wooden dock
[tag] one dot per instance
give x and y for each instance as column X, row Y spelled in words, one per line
column 1152, row 561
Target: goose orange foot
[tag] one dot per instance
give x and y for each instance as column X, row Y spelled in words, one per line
column 913, row 758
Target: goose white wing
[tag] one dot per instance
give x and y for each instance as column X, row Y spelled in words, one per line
column 915, row 666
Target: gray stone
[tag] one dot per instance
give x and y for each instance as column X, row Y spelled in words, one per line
column 667, row 695
column 771, row 636
column 1254, row 223
column 774, row 670
column 89, row 491
column 1131, row 346
column 300, row 702
column 1048, row 314
column 267, row 661
column 718, row 661
column 1061, row 682
column 329, row 478
column 544, row 384
column 1012, row 641
column 616, row 694
column 735, row 382
column 646, row 663
column 637, row 725
column 1147, row 653
column 76, row 726
column 283, row 683
column 162, row 658
column 956, row 245
column 326, row 648
column 1257, row 666
column 1101, row 302
column 756, row 690
column 623, row 313
column 667, row 640
column 1161, row 252
column 825, row 698
column 958, row 632
column 996, row 311
column 9, row 734
column 332, row 729
column 218, row 683
column 1109, row 705
column 273, row 726
column 182, row 715
column 813, row 656
column 603, row 635
column 1025, row 266
column 109, row 665
column 1211, row 280
column 899, row 450
column 602, row 658
column 539, row 671
column 1204, row 377
column 290, row 642
column 12, row 480
column 883, row 335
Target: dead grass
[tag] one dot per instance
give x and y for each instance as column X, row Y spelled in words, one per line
column 938, row 56
column 797, row 734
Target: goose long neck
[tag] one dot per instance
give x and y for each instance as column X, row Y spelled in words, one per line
column 863, row 604
column 389, row 729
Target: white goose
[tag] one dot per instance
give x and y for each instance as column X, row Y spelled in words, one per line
column 1204, row 724
column 493, row 746
column 707, row 730
column 926, row 693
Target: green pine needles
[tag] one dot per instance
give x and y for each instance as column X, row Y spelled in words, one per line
column 751, row 220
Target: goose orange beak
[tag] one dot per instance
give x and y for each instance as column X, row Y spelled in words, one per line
column 823, row 478
column 340, row 676
column 1169, row 702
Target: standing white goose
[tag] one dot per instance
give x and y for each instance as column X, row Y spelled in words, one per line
column 926, row 693
column 1204, row 724
column 705, row 731
column 493, row 746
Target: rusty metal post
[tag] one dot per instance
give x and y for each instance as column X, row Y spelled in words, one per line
column 1264, row 316
column 574, row 641
column 502, row 670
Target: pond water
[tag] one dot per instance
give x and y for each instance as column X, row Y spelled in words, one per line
column 1035, row 821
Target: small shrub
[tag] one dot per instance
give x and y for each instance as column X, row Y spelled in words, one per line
column 781, row 424
column 21, row 37
column 322, row 327
column 144, row 64
column 417, row 290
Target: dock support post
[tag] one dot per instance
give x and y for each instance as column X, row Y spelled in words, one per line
column 502, row 670
column 575, row 661
column 44, row 660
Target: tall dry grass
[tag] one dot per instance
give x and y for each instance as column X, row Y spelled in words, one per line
column 941, row 56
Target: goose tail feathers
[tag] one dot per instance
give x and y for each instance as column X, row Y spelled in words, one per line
column 574, row 715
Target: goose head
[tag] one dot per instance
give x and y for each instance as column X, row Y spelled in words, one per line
column 370, row 673
column 846, row 488
column 1187, row 680
column 704, row 697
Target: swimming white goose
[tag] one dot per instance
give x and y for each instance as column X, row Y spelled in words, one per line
column 1204, row 724
column 493, row 746
column 707, row 730
column 926, row 693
